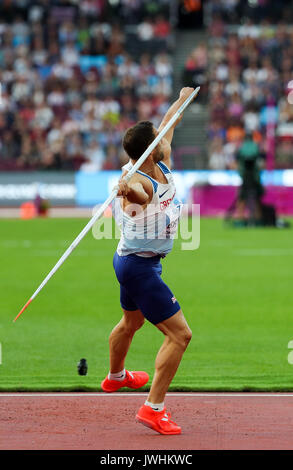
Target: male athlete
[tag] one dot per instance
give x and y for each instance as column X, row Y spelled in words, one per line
column 150, row 213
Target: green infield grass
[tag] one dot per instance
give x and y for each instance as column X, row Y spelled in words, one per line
column 236, row 292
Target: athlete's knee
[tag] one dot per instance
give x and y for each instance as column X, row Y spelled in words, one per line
column 183, row 338
column 131, row 326
column 186, row 337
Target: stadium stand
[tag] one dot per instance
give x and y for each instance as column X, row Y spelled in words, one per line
column 75, row 74
column 250, row 77
column 73, row 79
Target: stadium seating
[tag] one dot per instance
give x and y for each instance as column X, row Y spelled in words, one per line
column 73, row 79
column 251, row 87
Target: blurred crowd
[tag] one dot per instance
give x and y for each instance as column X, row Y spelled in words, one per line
column 75, row 74
column 73, row 79
column 250, row 90
column 233, row 11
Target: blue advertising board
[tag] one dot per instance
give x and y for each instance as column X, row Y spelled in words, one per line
column 94, row 187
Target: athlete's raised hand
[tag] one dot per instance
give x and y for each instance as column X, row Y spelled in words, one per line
column 185, row 92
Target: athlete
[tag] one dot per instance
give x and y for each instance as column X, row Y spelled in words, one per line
column 148, row 212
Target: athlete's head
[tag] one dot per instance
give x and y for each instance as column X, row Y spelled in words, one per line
column 137, row 139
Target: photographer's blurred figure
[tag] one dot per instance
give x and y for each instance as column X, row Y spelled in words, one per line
column 250, row 163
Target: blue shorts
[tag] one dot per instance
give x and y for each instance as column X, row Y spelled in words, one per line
column 142, row 288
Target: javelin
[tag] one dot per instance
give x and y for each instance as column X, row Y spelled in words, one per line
column 112, row 196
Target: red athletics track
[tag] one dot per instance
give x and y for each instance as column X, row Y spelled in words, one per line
column 106, row 421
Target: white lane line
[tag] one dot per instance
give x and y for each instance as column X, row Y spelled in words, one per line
column 134, row 394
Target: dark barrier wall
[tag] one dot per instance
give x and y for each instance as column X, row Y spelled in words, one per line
column 16, row 188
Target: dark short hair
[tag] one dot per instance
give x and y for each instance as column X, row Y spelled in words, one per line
column 137, row 139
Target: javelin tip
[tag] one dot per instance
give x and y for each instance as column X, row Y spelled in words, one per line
column 23, row 309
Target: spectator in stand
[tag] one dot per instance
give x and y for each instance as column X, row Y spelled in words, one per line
column 112, row 158
column 217, row 156
column 161, row 27
column 195, row 70
column 146, row 30
column 235, row 131
column 95, row 156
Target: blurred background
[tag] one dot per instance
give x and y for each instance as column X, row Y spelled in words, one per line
column 75, row 75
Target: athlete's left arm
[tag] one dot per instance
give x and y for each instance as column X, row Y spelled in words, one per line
column 167, row 139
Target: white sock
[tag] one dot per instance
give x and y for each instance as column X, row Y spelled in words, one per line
column 155, row 406
column 117, row 376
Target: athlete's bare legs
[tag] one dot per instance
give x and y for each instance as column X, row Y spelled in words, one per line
column 121, row 337
column 177, row 337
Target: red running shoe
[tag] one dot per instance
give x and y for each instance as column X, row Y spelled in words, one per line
column 134, row 379
column 159, row 421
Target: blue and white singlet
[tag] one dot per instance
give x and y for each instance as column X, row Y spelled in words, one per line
column 151, row 230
